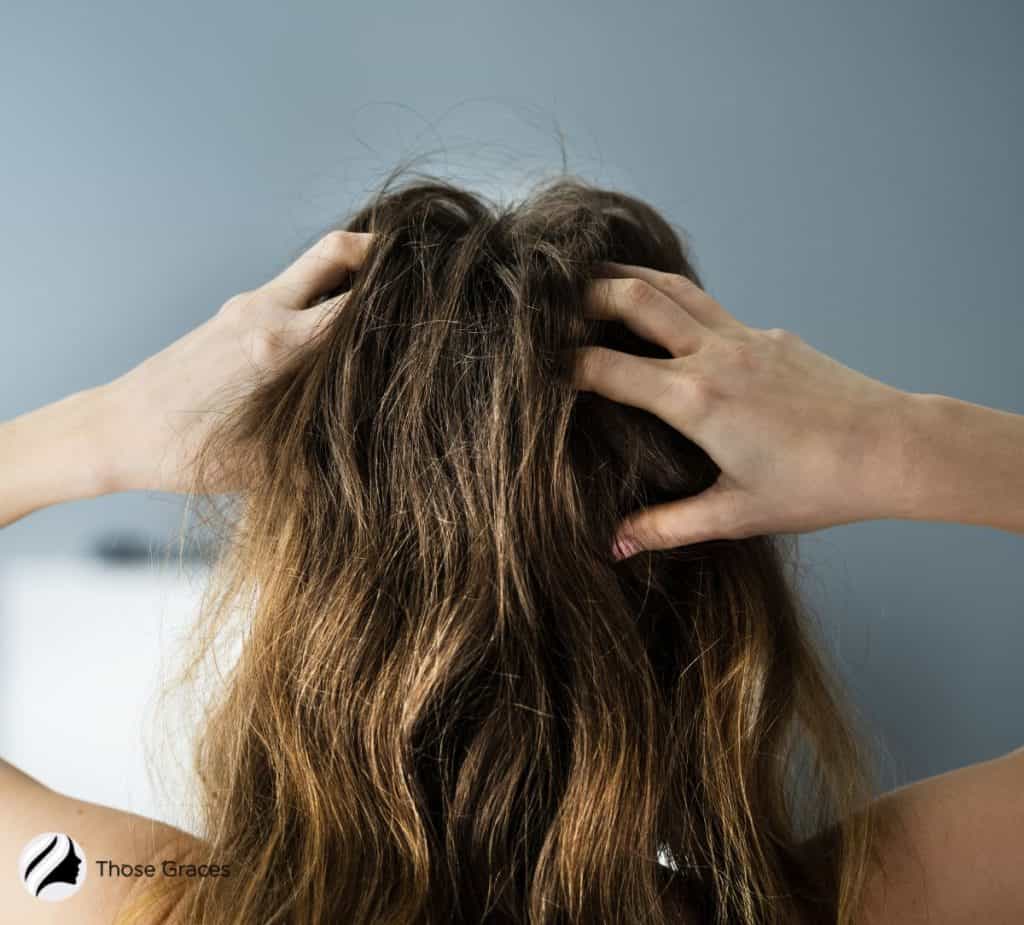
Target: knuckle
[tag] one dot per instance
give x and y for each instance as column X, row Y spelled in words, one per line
column 335, row 246
column 264, row 346
column 780, row 335
column 588, row 361
column 698, row 391
column 600, row 298
column 639, row 291
column 338, row 244
column 236, row 304
column 336, row 238
column 654, row 530
column 677, row 281
column 744, row 355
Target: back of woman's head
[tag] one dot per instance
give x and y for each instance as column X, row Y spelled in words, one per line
column 451, row 704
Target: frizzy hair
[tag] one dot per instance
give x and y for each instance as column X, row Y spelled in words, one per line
column 451, row 705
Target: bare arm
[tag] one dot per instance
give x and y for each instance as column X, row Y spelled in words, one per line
column 965, row 462
column 952, row 845
column 803, row 443
column 52, row 454
column 138, row 433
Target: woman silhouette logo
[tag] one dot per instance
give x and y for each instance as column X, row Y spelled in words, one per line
column 52, row 866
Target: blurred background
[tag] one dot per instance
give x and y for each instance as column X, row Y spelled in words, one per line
column 850, row 171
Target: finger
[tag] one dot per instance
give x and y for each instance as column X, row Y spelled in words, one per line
column 684, row 292
column 712, row 514
column 623, row 377
column 646, row 311
column 309, row 319
column 323, row 266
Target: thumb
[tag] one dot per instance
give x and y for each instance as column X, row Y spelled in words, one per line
column 310, row 319
column 712, row 514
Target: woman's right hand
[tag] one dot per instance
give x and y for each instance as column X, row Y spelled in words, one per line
column 803, row 442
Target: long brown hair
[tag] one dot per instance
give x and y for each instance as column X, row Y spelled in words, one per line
column 451, row 705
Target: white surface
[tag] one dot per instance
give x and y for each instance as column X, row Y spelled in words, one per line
column 84, row 647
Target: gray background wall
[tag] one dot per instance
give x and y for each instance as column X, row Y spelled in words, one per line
column 848, row 171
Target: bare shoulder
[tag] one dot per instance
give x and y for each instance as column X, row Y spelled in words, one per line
column 952, row 848
column 177, row 853
column 104, row 836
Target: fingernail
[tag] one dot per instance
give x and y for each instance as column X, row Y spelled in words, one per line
column 624, row 547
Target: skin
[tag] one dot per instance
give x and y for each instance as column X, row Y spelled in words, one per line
column 803, row 443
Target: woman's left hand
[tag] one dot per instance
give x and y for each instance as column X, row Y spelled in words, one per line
column 159, row 412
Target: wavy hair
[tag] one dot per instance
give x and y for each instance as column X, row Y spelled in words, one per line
column 450, row 704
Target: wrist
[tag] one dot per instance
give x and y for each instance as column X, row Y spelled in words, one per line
column 75, row 432
column 928, row 429
column 888, row 441
column 912, row 418
column 99, row 439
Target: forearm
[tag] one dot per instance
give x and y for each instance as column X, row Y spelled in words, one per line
column 53, row 454
column 963, row 462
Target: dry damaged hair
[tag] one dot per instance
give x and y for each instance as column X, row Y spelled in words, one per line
column 451, row 705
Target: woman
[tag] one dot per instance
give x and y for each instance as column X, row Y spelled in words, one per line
column 518, row 643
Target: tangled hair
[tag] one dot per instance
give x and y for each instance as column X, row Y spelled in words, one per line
column 451, row 705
